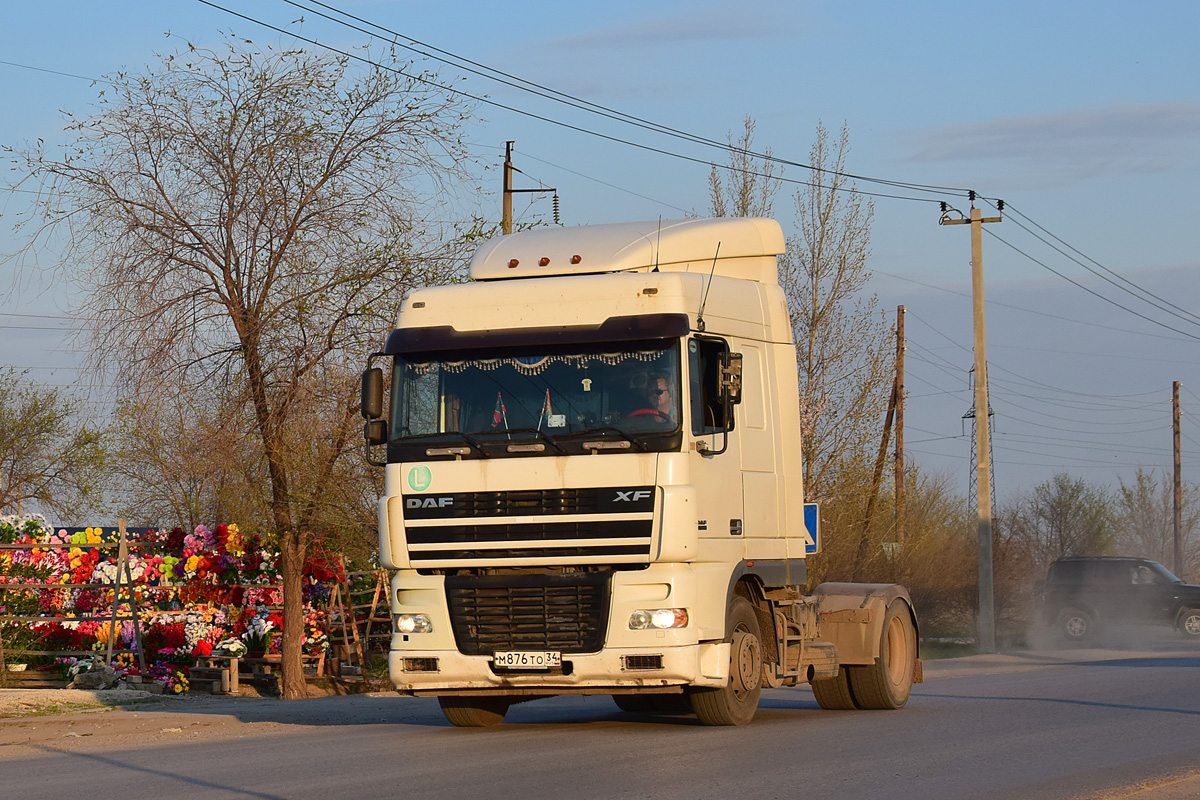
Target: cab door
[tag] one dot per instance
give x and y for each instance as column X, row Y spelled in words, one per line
column 714, row 448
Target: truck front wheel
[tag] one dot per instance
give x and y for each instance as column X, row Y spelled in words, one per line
column 737, row 701
column 887, row 682
column 474, row 712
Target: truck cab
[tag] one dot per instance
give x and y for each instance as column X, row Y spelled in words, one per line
column 593, row 482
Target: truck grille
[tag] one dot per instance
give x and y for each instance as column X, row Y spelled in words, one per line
column 567, row 613
column 605, row 525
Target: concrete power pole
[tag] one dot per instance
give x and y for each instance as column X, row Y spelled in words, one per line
column 506, row 218
column 1177, row 502
column 987, row 608
column 898, row 476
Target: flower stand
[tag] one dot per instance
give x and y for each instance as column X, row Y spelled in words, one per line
column 216, row 674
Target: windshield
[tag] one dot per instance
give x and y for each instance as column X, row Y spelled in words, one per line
column 484, row 401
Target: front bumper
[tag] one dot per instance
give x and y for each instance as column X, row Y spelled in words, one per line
column 448, row 672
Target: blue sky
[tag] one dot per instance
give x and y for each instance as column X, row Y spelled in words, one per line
column 1083, row 116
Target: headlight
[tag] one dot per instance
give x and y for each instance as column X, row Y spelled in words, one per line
column 412, row 623
column 659, row 618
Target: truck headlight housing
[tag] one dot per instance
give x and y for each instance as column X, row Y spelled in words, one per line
column 412, row 623
column 658, row 619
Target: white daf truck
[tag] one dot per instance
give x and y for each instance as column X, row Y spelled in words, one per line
column 593, row 484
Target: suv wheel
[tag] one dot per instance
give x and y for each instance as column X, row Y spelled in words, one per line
column 1189, row 623
column 1075, row 625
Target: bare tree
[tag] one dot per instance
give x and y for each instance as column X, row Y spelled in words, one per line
column 751, row 182
column 1145, row 521
column 49, row 457
column 245, row 221
column 841, row 341
column 1064, row 516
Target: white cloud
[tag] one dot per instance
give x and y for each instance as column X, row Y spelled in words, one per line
column 695, row 24
column 1130, row 139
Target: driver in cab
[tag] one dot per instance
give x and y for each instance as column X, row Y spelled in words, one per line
column 660, row 406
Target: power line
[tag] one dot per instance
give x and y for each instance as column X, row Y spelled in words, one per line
column 1026, row 439
column 1067, row 419
column 604, row 183
column 1081, row 286
column 1157, row 426
column 508, row 79
column 1194, row 319
column 579, row 129
column 54, row 72
column 991, row 303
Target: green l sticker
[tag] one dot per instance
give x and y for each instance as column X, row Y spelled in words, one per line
column 419, row 478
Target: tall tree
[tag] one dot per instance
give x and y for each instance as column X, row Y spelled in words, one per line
column 750, row 183
column 50, row 458
column 245, row 221
column 841, row 340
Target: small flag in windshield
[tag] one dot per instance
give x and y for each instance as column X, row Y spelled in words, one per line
column 501, row 413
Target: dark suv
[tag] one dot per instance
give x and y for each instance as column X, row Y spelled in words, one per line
column 1083, row 593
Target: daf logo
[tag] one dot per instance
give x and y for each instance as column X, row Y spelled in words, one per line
column 632, row 496
column 429, row 502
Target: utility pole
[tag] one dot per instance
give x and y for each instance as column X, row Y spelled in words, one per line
column 898, row 478
column 506, row 220
column 987, row 608
column 1177, row 504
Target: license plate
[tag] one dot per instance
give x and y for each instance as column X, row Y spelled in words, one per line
column 527, row 659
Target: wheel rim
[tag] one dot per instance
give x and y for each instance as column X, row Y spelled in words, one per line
column 1191, row 624
column 747, row 662
column 1076, row 626
column 897, row 651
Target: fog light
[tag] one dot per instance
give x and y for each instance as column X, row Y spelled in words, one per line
column 658, row 618
column 412, row 623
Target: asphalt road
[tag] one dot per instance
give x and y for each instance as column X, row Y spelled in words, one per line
column 1036, row 725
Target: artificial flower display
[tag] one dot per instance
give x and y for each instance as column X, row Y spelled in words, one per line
column 210, row 591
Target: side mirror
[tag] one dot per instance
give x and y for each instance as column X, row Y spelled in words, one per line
column 372, row 394
column 731, row 378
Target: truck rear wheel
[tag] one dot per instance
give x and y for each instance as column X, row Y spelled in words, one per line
column 886, row 683
column 737, row 701
column 833, row 694
column 474, row 712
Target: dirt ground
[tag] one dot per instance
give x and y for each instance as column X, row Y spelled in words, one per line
column 46, row 702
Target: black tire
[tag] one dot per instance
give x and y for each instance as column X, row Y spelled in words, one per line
column 736, row 702
column 887, row 683
column 653, row 703
column 1075, row 624
column 635, row 703
column 474, row 712
column 1189, row 623
column 833, row 694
